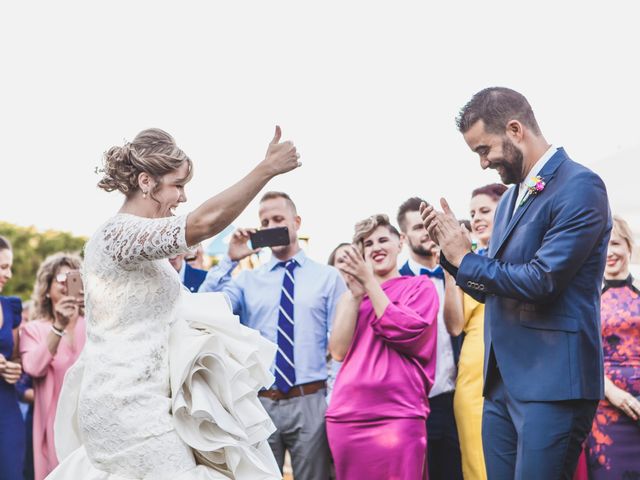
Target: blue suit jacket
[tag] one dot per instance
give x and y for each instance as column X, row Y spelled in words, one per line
column 541, row 284
column 193, row 277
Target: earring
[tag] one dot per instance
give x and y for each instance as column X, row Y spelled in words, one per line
column 144, row 194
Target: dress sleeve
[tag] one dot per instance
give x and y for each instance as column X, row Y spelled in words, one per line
column 131, row 240
column 34, row 352
column 405, row 324
column 15, row 310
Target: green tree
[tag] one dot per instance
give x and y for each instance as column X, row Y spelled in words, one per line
column 30, row 248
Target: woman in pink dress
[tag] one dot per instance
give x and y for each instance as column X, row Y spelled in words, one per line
column 49, row 345
column 385, row 333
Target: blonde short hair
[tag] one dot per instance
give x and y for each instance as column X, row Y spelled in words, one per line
column 622, row 228
column 365, row 227
column 42, row 306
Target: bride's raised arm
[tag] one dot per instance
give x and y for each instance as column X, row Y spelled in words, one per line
column 219, row 211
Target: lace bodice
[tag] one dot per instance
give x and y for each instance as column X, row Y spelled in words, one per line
column 124, row 411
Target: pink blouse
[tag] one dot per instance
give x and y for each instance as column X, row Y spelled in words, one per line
column 47, row 372
column 389, row 368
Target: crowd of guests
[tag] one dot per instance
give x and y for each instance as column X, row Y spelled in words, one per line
column 382, row 375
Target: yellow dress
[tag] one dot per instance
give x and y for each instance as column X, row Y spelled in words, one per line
column 467, row 403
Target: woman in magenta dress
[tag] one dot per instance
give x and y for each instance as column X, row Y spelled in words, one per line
column 614, row 443
column 385, row 333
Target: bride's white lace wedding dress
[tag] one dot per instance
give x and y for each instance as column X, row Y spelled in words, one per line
column 166, row 387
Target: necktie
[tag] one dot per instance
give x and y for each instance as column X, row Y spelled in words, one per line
column 285, row 370
column 435, row 273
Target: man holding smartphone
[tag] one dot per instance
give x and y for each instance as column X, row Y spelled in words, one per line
column 291, row 301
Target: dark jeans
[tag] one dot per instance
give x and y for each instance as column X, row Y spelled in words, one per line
column 443, row 447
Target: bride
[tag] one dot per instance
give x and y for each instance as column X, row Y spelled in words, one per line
column 166, row 385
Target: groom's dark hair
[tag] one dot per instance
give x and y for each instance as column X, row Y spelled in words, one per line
column 496, row 106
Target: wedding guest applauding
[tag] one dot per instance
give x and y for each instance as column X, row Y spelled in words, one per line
column 385, row 332
column 462, row 313
column 49, row 345
column 614, row 443
column 12, row 431
column 443, row 448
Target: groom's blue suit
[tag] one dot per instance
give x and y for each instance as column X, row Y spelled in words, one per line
column 541, row 287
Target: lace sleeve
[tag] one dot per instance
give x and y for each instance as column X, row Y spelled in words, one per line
column 130, row 240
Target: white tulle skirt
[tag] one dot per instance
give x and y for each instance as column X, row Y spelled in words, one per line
column 217, row 366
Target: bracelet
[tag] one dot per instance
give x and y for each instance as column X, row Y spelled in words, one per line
column 58, row 332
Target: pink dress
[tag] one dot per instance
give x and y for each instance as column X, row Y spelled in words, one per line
column 376, row 420
column 47, row 372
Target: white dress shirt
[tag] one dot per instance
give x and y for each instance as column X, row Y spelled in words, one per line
column 446, row 370
column 522, row 187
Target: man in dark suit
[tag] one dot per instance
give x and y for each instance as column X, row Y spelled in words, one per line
column 189, row 276
column 541, row 286
column 443, row 447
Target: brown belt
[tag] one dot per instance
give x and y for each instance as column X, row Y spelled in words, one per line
column 296, row 391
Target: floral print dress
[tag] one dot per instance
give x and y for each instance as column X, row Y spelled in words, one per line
column 614, row 443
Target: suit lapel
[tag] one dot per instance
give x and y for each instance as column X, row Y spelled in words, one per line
column 501, row 222
column 547, row 173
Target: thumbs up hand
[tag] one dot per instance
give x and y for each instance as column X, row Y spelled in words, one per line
column 281, row 157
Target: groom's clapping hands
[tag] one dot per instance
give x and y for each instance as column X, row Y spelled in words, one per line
column 443, row 227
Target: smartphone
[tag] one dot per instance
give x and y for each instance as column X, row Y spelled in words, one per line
column 270, row 237
column 74, row 284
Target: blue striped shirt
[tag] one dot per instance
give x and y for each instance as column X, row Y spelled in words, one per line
column 255, row 297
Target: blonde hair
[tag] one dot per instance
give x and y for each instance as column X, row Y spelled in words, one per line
column 42, row 306
column 365, row 227
column 622, row 228
column 153, row 151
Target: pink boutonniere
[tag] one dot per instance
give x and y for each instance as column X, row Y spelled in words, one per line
column 534, row 186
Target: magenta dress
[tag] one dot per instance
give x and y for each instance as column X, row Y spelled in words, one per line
column 376, row 420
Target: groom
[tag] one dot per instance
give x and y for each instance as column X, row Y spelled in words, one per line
column 541, row 287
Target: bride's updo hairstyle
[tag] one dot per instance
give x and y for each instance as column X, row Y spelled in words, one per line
column 153, row 151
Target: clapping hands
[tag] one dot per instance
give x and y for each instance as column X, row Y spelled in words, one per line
column 357, row 272
column 443, row 227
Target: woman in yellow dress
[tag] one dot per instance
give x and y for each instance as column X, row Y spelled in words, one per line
column 464, row 314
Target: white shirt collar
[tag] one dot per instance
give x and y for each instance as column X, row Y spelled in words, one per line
column 183, row 270
column 415, row 267
column 539, row 165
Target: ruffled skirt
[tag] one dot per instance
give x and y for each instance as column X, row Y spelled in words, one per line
column 217, row 366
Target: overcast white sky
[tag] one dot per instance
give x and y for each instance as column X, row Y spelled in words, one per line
column 368, row 91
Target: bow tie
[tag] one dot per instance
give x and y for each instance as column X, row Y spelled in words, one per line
column 438, row 272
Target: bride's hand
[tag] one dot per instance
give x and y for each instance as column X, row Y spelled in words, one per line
column 281, row 157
